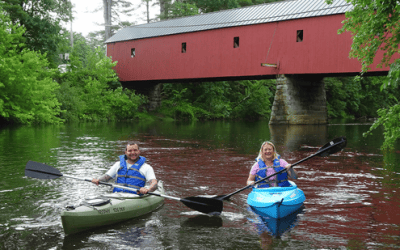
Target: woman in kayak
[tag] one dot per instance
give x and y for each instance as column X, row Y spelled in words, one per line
column 131, row 171
column 267, row 163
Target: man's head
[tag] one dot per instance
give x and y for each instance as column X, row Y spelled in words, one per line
column 132, row 152
column 130, row 144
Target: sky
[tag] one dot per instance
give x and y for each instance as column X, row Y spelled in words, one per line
column 85, row 21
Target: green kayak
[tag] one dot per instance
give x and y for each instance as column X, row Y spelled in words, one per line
column 109, row 209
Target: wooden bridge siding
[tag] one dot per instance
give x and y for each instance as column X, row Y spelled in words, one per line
column 210, row 54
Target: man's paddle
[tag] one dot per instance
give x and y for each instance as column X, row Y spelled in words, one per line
column 205, row 205
column 330, row 148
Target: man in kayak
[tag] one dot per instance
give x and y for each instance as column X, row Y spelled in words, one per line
column 267, row 163
column 131, row 171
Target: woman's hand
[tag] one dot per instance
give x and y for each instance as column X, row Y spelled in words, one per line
column 250, row 183
column 251, row 179
column 291, row 171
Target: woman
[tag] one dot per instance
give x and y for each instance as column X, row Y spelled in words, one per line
column 269, row 162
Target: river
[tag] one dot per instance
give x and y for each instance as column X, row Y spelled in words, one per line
column 353, row 196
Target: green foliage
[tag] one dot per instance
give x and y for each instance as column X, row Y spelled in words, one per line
column 180, row 9
column 375, row 26
column 72, row 105
column 255, row 100
column 355, row 97
column 343, row 97
column 218, row 100
column 206, row 6
column 393, row 79
column 26, row 84
column 390, row 119
column 193, row 7
column 177, row 106
column 214, row 98
column 90, row 89
column 41, row 19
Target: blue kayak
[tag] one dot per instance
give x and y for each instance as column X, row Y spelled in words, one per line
column 275, row 227
column 276, row 202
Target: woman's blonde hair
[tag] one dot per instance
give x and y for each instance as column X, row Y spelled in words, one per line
column 260, row 154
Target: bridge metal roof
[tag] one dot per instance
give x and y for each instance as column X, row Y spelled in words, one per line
column 255, row 14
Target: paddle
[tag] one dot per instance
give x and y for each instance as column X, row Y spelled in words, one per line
column 205, row 205
column 330, row 148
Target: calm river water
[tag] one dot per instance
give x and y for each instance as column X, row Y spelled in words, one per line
column 353, row 197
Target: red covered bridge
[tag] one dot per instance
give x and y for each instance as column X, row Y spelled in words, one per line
column 295, row 38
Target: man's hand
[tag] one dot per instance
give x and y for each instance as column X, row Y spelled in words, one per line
column 153, row 186
column 95, row 181
column 143, row 190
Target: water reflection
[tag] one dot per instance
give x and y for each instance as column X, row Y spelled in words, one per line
column 292, row 137
column 203, row 221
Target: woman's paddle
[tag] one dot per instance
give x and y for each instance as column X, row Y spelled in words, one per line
column 205, row 205
column 330, row 148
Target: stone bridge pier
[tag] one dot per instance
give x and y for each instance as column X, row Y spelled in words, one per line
column 150, row 89
column 299, row 99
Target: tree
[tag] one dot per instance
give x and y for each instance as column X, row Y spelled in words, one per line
column 27, row 89
column 111, row 13
column 41, row 19
column 375, row 25
column 90, row 89
column 178, row 9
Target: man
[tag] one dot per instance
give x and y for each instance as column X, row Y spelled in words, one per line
column 131, row 171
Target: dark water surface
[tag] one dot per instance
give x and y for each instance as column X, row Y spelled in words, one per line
column 353, row 197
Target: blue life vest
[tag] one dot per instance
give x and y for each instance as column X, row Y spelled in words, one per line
column 281, row 179
column 130, row 177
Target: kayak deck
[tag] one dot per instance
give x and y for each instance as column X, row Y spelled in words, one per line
column 109, row 209
column 276, row 202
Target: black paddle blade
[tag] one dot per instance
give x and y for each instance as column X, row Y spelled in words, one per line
column 333, row 146
column 203, row 204
column 41, row 171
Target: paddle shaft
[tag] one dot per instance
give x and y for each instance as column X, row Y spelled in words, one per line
column 192, row 202
column 122, row 187
column 283, row 170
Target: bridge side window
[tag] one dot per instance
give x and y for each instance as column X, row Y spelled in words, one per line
column 299, row 36
column 183, row 48
column 236, row 42
column 133, row 53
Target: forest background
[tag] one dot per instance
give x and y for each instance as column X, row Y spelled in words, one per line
column 34, row 90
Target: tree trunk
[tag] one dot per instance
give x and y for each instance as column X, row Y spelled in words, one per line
column 162, row 8
column 148, row 11
column 107, row 18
